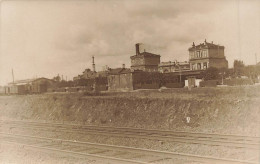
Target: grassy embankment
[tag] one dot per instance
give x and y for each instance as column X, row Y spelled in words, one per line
column 221, row 110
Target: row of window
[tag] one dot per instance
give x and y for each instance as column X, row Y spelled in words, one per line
column 199, row 66
column 198, row 54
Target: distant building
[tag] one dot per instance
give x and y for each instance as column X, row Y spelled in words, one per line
column 38, row 85
column 88, row 74
column 145, row 61
column 127, row 80
column 2, row 90
column 166, row 67
column 207, row 55
column 76, row 78
column 120, row 79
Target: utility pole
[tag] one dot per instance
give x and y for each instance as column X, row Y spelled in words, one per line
column 13, row 75
column 255, row 59
column 180, row 74
column 222, row 82
column 179, row 70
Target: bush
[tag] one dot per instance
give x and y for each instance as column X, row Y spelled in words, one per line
column 94, row 93
column 211, row 73
column 238, row 81
column 209, row 83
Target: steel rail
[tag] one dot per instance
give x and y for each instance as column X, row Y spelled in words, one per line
column 197, row 140
column 152, row 131
column 163, row 154
column 159, row 138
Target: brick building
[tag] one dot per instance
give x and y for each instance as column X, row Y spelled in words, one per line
column 175, row 66
column 207, row 55
column 145, row 61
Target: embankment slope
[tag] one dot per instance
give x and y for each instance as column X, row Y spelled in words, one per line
column 218, row 110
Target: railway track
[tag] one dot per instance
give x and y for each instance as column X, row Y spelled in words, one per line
column 236, row 141
column 116, row 154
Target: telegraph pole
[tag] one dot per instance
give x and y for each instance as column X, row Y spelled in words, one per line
column 13, row 75
column 255, row 59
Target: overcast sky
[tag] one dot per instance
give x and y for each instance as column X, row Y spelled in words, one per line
column 44, row 38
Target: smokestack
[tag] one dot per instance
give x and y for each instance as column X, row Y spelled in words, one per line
column 123, row 65
column 137, row 48
column 93, row 64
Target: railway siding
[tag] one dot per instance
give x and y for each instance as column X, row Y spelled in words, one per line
column 36, row 142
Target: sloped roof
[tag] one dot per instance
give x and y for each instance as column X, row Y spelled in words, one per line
column 102, row 73
column 205, row 45
column 21, row 82
column 26, row 81
column 117, row 71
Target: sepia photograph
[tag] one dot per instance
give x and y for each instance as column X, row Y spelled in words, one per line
column 129, row 81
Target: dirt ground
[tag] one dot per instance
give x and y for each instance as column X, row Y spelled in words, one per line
column 11, row 154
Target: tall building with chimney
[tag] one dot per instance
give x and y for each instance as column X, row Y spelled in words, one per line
column 144, row 61
column 207, row 55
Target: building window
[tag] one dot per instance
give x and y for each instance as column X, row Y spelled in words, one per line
column 193, row 66
column 205, row 65
column 199, row 66
column 198, row 54
column 204, row 54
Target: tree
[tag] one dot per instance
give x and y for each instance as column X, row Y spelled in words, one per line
column 64, row 83
column 57, row 78
column 211, row 73
column 239, row 68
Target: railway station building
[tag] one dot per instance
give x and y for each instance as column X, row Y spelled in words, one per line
column 207, row 55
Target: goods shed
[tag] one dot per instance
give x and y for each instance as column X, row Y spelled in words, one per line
column 38, row 85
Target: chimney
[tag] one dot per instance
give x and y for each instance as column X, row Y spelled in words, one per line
column 193, row 44
column 212, row 42
column 205, row 41
column 93, row 64
column 123, row 65
column 137, row 48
